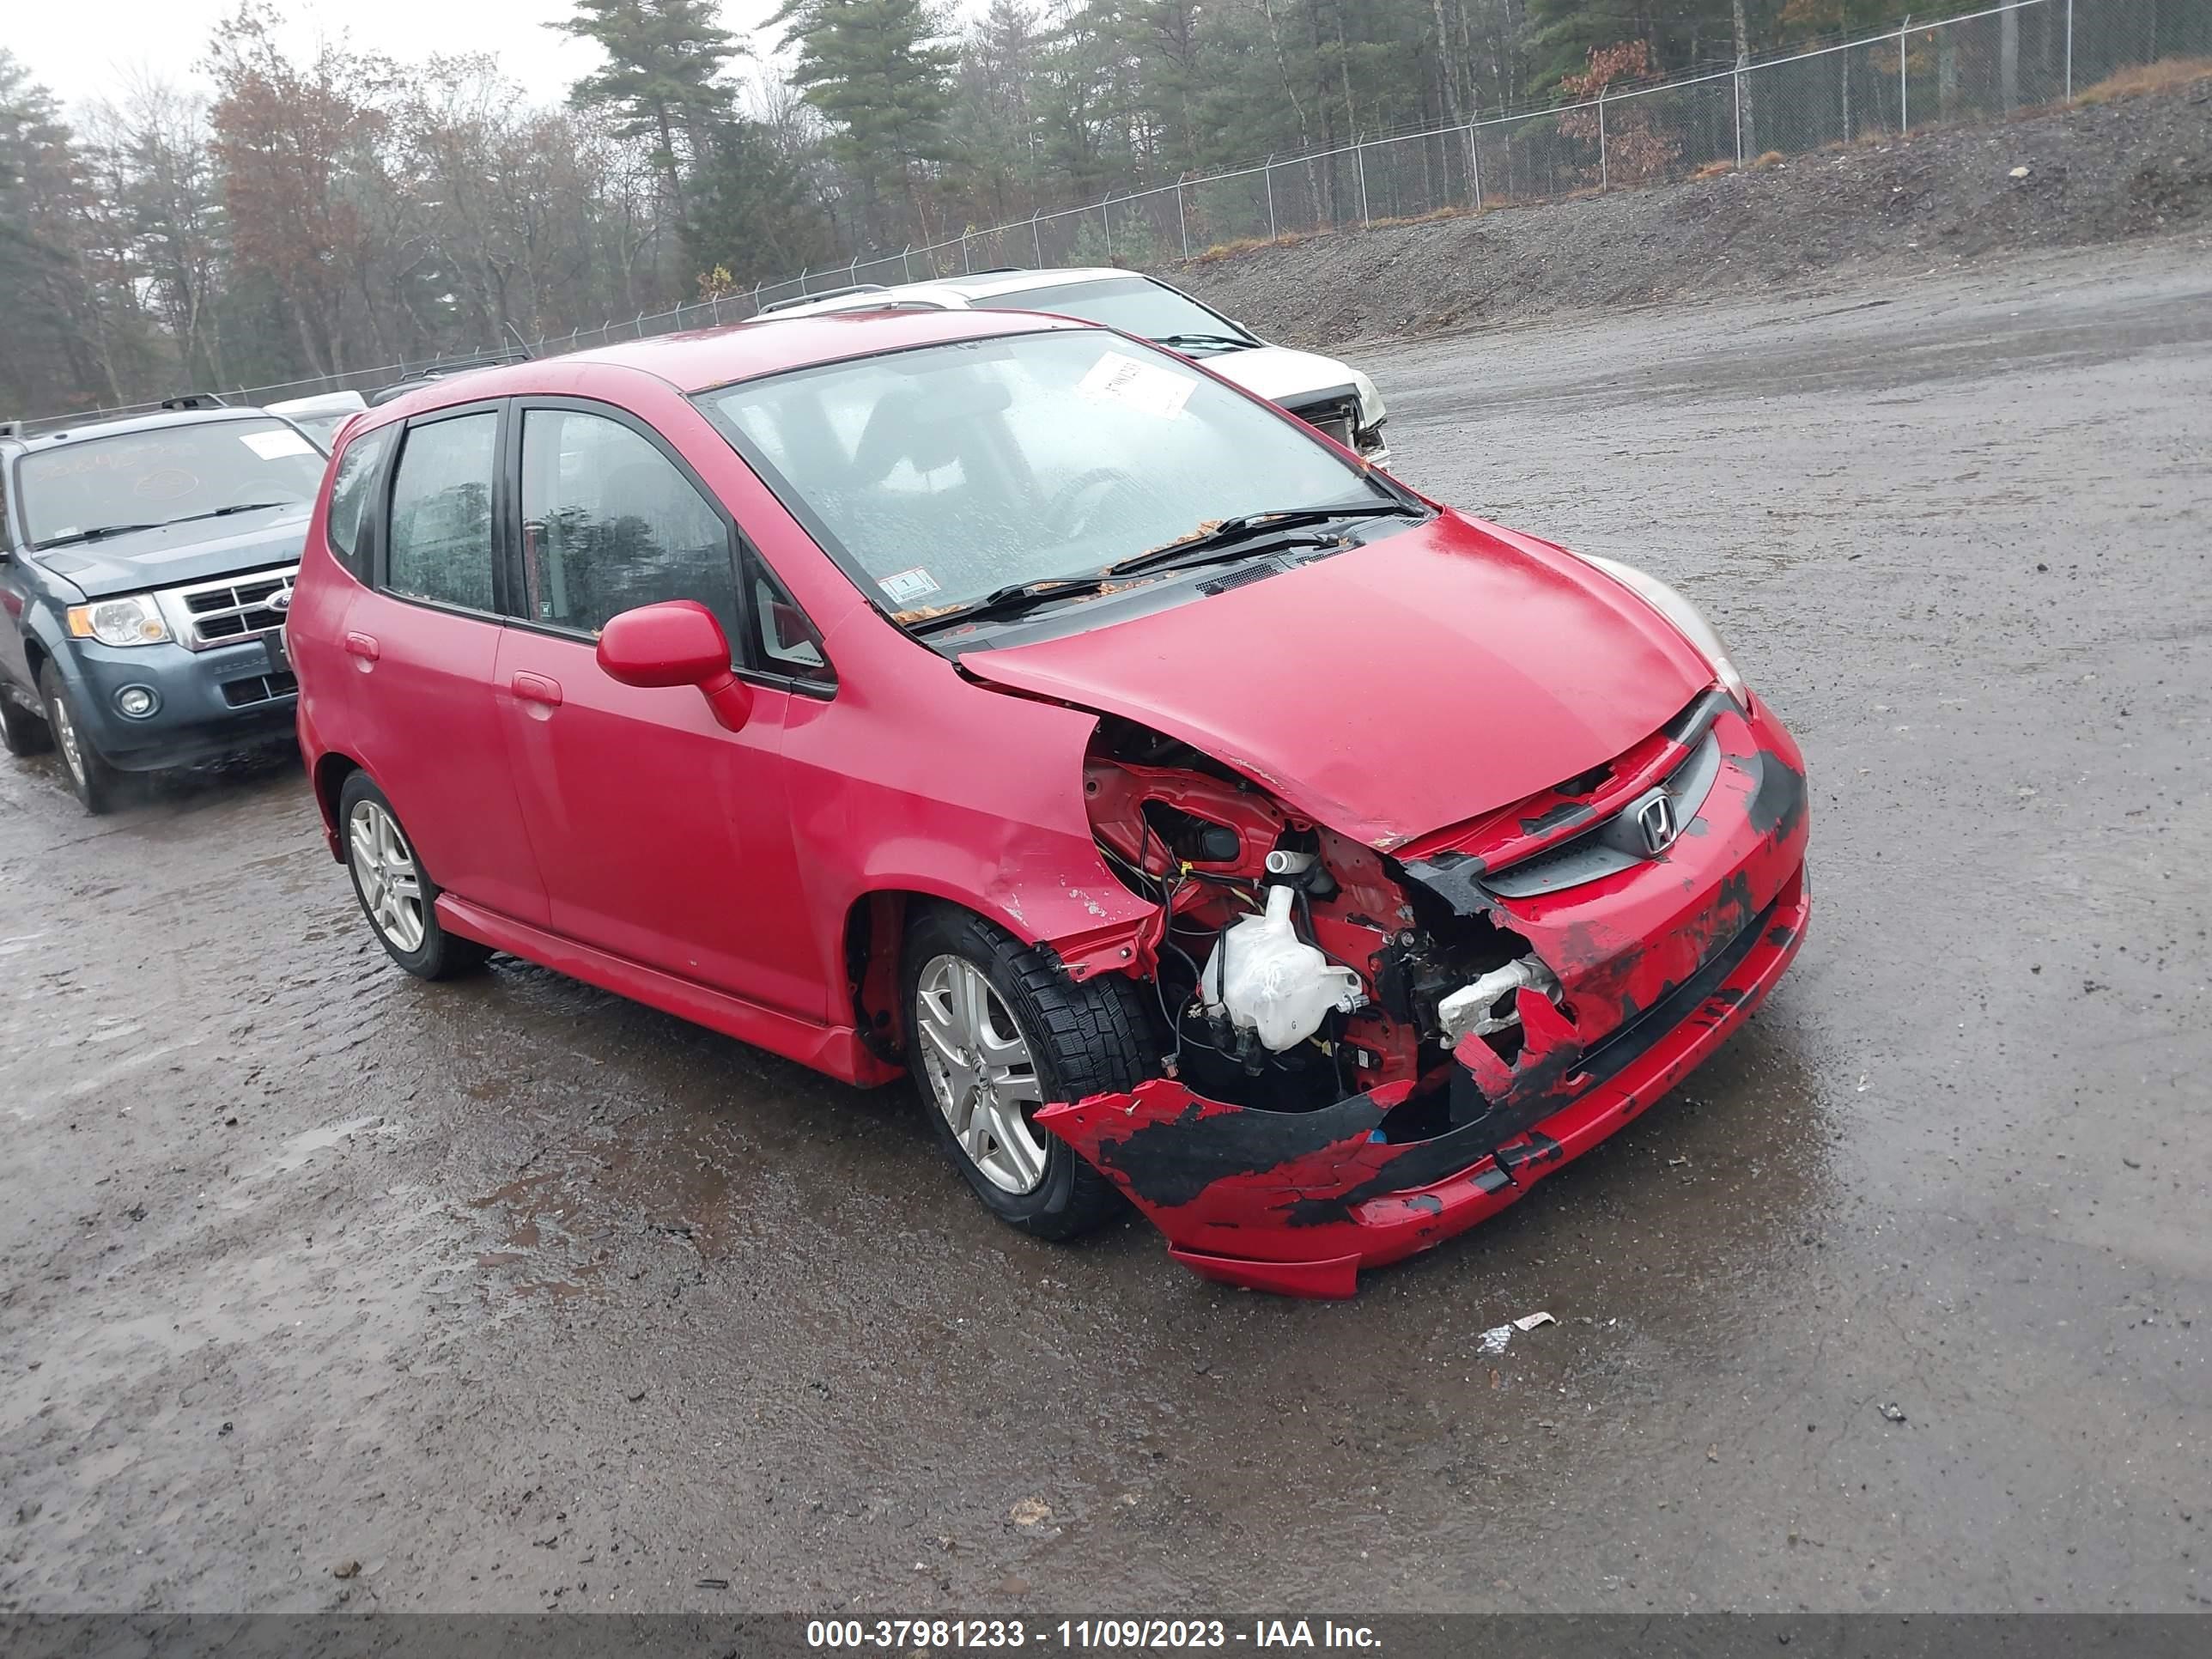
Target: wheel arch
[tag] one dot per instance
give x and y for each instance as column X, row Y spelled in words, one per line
column 330, row 773
column 876, row 922
column 873, row 942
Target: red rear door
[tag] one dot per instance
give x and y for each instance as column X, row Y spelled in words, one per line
column 422, row 642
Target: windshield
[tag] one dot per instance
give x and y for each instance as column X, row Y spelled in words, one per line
column 160, row 476
column 947, row 473
column 1134, row 304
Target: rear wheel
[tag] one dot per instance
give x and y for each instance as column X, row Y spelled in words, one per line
column 396, row 894
column 99, row 785
column 993, row 1032
column 21, row 731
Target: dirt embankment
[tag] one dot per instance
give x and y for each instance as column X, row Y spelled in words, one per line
column 2138, row 166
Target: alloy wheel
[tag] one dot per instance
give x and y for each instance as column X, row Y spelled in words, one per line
column 980, row 1071
column 66, row 738
column 391, row 885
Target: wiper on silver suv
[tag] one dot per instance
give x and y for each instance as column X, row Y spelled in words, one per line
column 98, row 533
column 235, row 506
column 1202, row 342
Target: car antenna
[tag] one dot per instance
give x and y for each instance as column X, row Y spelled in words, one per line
column 521, row 344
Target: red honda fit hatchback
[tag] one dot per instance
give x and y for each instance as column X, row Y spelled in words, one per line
column 1201, row 818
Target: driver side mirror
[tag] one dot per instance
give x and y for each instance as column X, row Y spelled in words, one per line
column 676, row 643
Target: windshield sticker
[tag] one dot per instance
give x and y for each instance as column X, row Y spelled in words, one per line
column 909, row 585
column 269, row 445
column 1117, row 377
column 274, row 443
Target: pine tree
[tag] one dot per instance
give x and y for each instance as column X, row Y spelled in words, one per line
column 881, row 77
column 750, row 215
column 665, row 59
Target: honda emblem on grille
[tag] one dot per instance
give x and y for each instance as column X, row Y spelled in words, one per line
column 1655, row 819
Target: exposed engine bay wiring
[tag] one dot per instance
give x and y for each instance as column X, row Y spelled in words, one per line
column 1341, row 996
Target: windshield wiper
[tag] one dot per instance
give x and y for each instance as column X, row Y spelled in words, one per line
column 101, row 532
column 1232, row 538
column 235, row 506
column 1010, row 601
column 1225, row 342
column 1247, row 527
column 98, row 533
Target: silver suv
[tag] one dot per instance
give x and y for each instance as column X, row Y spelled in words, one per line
column 1323, row 392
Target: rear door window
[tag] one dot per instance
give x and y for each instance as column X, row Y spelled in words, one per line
column 610, row 523
column 440, row 548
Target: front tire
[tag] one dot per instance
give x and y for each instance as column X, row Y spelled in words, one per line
column 22, row 731
column 99, row 785
column 396, row 893
column 993, row 1032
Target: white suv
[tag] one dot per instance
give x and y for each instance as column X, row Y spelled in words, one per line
column 1321, row 390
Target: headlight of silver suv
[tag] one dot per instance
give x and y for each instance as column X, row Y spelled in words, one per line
column 131, row 619
column 1689, row 622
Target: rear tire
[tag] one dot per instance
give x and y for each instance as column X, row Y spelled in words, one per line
column 1029, row 1036
column 22, row 731
column 396, row 892
column 100, row 786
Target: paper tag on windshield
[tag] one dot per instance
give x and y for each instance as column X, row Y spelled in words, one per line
column 909, row 585
column 269, row 446
column 1117, row 377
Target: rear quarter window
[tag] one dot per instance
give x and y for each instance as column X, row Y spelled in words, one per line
column 359, row 468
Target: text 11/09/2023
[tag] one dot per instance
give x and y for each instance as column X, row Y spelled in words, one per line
column 1084, row 1635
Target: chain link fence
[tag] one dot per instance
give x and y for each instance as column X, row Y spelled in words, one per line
column 1984, row 65
column 1979, row 66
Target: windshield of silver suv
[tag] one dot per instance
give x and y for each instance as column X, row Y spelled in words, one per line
column 952, row 476
column 95, row 487
column 1135, row 304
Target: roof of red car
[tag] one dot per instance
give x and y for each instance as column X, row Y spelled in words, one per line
column 709, row 357
column 701, row 358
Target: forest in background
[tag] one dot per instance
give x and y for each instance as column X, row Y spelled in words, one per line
column 295, row 216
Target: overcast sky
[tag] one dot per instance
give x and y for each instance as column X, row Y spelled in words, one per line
column 88, row 50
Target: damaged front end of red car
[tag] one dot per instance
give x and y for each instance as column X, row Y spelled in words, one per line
column 1477, row 1006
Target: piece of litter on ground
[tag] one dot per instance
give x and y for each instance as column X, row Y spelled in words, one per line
column 1530, row 1321
column 1494, row 1340
column 1893, row 1412
column 2019, row 172
column 1676, row 1163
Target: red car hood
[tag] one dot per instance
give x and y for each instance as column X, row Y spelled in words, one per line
column 1437, row 674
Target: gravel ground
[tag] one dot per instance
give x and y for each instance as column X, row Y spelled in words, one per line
column 326, row 1288
column 1899, row 210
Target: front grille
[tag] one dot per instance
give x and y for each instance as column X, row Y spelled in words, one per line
column 1594, row 854
column 236, row 608
column 258, row 688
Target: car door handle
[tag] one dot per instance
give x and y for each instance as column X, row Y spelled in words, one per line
column 536, row 688
column 361, row 645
